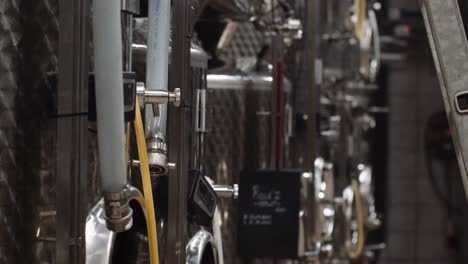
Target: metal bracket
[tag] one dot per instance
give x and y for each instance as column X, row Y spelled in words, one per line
column 461, row 102
column 449, row 45
column 200, row 111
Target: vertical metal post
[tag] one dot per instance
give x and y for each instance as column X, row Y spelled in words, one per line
column 309, row 83
column 130, row 8
column 127, row 41
column 342, row 155
column 450, row 52
column 72, row 144
column 277, row 103
column 309, row 148
column 178, row 133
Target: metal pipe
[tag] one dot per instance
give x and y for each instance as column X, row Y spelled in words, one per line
column 130, row 8
column 376, row 62
column 308, row 149
column 200, row 128
column 72, row 135
column 127, row 26
column 217, row 235
column 226, row 191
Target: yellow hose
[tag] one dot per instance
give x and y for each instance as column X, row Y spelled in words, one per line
column 141, row 200
column 356, row 253
column 127, row 144
column 360, row 10
column 148, row 192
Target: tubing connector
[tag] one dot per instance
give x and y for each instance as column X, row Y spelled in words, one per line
column 157, row 149
column 156, row 97
column 157, row 156
column 118, row 213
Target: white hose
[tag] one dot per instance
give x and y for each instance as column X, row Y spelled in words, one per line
column 109, row 93
column 157, row 61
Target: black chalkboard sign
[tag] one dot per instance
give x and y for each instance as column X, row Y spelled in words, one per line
column 269, row 214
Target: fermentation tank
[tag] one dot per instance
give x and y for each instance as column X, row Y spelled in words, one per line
column 238, row 136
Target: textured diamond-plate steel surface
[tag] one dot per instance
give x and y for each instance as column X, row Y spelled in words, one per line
column 225, row 155
column 247, row 42
column 237, row 140
column 36, row 129
column 28, row 49
column 225, row 148
column 238, row 137
column 10, row 35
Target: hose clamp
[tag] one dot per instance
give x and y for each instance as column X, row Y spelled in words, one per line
column 157, row 156
column 118, row 214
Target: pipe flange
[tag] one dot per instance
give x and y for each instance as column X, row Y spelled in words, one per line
column 118, row 213
column 157, row 157
column 122, row 224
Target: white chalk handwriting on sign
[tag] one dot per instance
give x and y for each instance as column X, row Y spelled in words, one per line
column 267, row 198
column 257, row 219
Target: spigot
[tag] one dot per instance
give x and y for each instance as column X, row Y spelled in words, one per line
column 156, row 97
column 118, row 213
column 136, row 164
column 227, row 191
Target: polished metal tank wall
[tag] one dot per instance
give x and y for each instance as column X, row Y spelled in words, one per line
column 28, row 50
column 237, row 118
column 238, row 138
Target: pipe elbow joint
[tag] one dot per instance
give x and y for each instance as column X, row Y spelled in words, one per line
column 118, row 213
